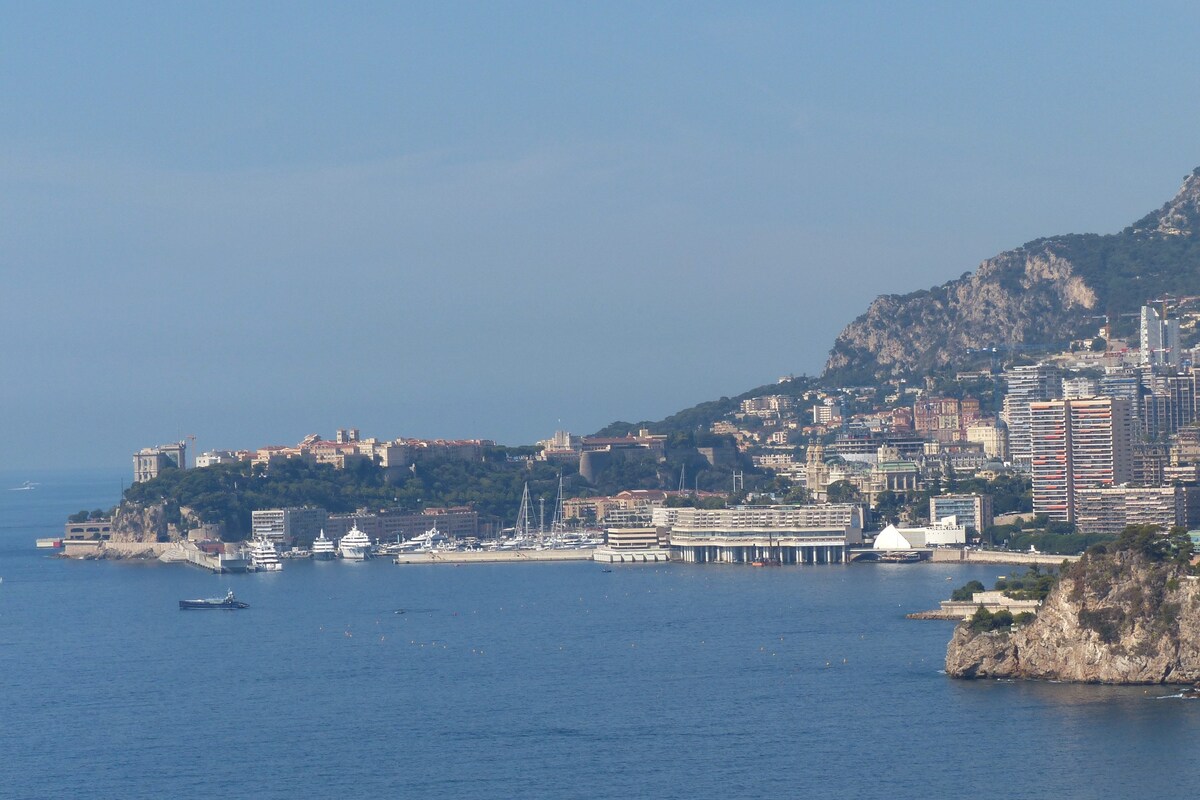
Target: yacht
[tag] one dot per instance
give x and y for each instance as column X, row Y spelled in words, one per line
column 323, row 549
column 355, row 546
column 264, row 557
column 430, row 540
column 228, row 602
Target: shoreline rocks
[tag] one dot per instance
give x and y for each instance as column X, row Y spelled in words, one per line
column 1118, row 618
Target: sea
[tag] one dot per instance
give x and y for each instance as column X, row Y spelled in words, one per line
column 528, row 681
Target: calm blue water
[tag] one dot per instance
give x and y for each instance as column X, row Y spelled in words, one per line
column 539, row 680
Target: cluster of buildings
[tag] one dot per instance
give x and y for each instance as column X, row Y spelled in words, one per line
column 1108, row 436
column 346, row 449
column 592, row 454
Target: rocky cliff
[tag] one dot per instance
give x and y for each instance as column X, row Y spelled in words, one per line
column 1113, row 618
column 1042, row 294
column 136, row 523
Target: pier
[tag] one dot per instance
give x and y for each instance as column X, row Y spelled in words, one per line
column 492, row 556
column 189, row 553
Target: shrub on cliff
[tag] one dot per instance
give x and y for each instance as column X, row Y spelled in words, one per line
column 1131, row 583
column 1175, row 546
column 984, row 621
column 1033, row 585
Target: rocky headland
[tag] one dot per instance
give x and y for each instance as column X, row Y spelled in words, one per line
column 1126, row 614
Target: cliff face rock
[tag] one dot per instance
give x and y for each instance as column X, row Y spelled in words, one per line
column 1118, row 618
column 136, row 523
column 1042, row 294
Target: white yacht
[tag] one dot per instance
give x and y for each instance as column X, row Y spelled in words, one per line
column 264, row 557
column 430, row 540
column 355, row 546
column 322, row 548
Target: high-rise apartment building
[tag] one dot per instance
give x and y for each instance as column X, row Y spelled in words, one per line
column 1026, row 385
column 1077, row 444
column 1170, row 407
column 1124, row 383
column 1159, row 338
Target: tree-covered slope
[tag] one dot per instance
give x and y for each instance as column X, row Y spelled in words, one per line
column 702, row 415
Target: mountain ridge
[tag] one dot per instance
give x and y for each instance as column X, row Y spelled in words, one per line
column 1046, row 292
column 1043, row 293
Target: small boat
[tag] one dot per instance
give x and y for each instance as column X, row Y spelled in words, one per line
column 900, row 557
column 226, row 602
column 770, row 559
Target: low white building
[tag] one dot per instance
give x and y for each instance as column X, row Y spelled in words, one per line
column 943, row 533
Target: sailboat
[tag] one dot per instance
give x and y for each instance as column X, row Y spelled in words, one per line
column 523, row 535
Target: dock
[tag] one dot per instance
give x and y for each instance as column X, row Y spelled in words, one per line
column 993, row 601
column 492, row 556
column 189, row 553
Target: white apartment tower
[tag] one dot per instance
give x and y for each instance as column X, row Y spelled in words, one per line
column 1026, row 385
column 1159, row 338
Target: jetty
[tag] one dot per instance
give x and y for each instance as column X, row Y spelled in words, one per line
column 993, row 601
column 970, row 556
column 492, row 556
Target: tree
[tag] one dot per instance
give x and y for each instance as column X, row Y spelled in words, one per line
column 843, row 492
column 967, row 591
column 888, row 506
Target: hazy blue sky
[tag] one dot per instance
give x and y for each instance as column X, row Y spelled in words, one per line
column 250, row 222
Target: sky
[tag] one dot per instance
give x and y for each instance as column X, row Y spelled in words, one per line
column 247, row 222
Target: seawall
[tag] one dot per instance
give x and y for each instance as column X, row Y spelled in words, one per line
column 942, row 554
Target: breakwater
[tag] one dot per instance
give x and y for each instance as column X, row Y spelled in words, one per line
column 492, row 556
column 943, row 555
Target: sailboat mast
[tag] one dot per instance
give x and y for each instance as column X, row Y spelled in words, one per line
column 524, row 517
column 557, row 523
